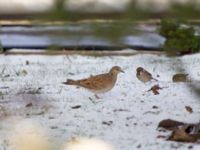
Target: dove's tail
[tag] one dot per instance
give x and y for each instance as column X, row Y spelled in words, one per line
column 71, row 82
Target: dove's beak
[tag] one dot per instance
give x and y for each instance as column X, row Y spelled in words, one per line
column 122, row 71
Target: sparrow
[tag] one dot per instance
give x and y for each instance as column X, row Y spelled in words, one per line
column 98, row 83
column 143, row 75
column 180, row 77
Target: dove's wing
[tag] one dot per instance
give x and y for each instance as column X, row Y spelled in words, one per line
column 147, row 73
column 97, row 82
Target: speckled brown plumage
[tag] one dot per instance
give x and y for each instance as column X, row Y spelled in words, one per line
column 99, row 83
column 143, row 75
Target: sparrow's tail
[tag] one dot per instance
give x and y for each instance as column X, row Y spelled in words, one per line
column 154, row 79
column 71, row 82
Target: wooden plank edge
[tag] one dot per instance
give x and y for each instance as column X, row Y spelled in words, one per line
column 86, row 53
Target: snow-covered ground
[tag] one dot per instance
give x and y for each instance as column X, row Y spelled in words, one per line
column 127, row 116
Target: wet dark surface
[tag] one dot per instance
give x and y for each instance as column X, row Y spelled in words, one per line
column 78, row 36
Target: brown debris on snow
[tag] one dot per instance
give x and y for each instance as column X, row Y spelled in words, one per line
column 155, row 89
column 169, row 124
column 76, row 107
column 189, row 109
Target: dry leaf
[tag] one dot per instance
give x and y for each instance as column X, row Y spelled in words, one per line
column 189, row 109
column 169, row 124
column 76, row 107
column 29, row 105
column 107, row 123
column 155, row 89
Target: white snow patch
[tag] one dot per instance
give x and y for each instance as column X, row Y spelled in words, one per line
column 128, row 108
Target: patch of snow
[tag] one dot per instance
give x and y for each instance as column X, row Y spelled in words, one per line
column 87, row 144
column 128, row 108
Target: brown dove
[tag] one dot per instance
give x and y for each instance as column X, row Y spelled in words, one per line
column 99, row 83
column 143, row 75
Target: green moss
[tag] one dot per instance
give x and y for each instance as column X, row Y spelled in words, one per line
column 1, row 48
column 53, row 48
column 1, row 93
column 180, row 38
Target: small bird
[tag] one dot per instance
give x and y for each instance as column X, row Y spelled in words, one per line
column 180, row 77
column 99, row 83
column 143, row 75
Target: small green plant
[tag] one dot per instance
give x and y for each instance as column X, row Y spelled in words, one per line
column 53, row 48
column 1, row 93
column 1, row 47
column 180, row 38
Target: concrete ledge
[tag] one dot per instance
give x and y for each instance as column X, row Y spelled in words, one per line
column 74, row 52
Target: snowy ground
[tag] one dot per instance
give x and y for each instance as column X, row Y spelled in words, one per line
column 127, row 116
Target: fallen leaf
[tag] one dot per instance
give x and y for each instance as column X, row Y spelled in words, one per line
column 189, row 109
column 76, row 107
column 169, row 124
column 29, row 105
column 107, row 123
column 155, row 89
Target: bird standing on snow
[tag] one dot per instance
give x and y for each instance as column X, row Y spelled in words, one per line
column 99, row 83
column 143, row 75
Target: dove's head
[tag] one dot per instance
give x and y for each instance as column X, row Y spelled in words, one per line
column 115, row 70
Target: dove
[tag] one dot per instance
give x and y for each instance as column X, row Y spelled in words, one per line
column 100, row 83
